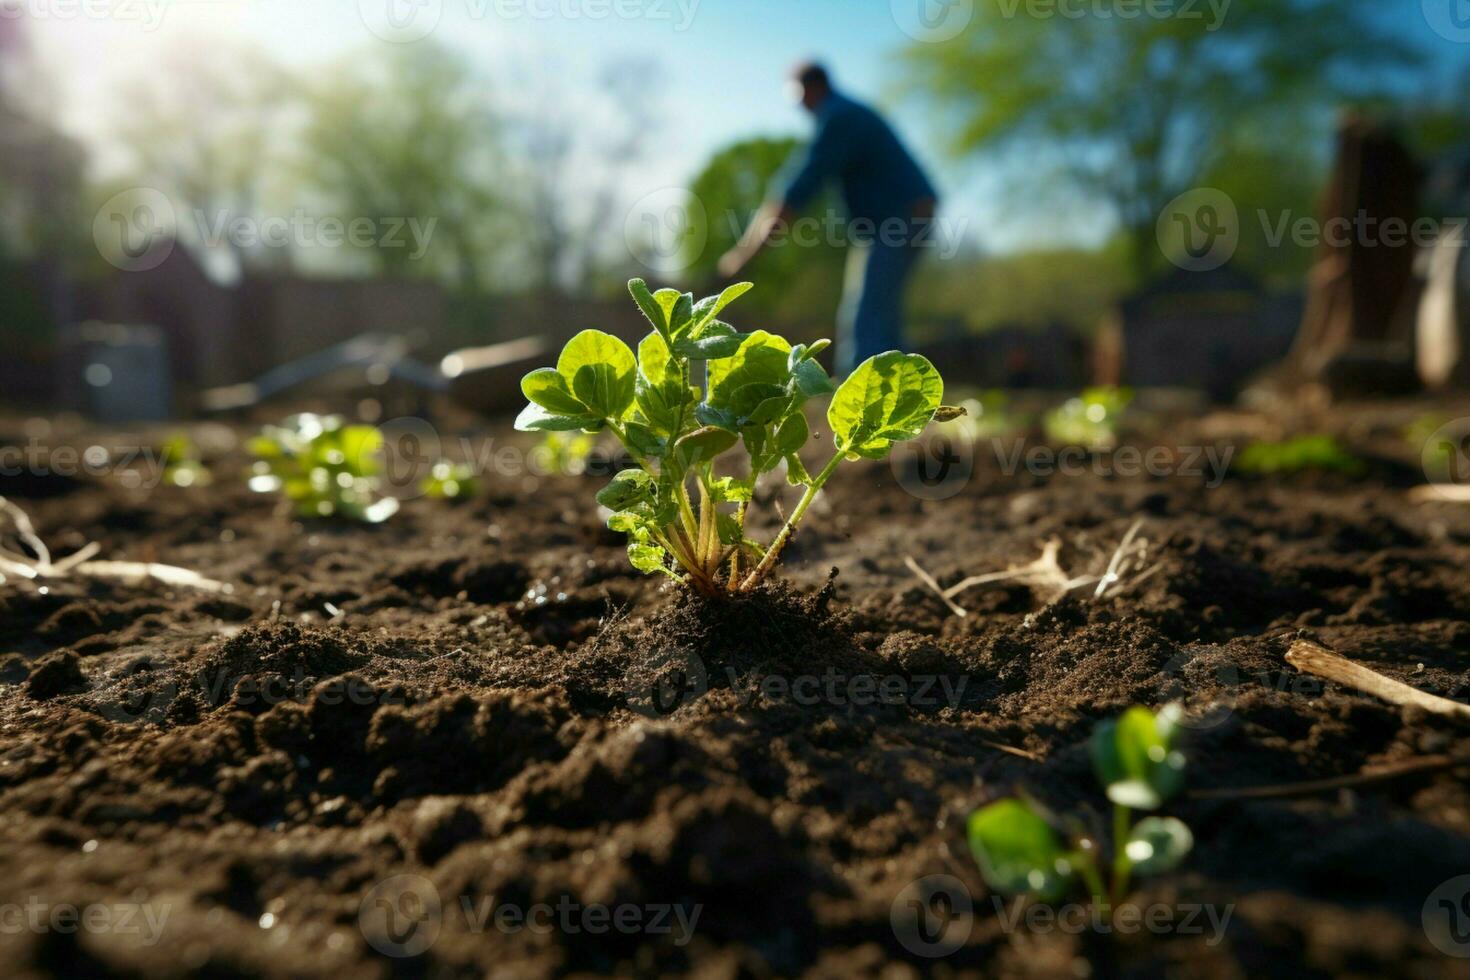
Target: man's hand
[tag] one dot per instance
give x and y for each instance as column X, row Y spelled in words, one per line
column 732, row 262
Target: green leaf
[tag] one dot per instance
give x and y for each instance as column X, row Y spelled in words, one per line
column 792, row 434
column 1158, row 844
column 644, row 440
column 889, row 397
column 710, row 307
column 628, row 489
column 548, row 388
column 760, row 359
column 811, row 381
column 534, row 418
column 1136, row 759
column 650, row 307
column 629, row 521
column 665, row 405
column 796, row 473
column 730, row 490
column 1018, row 852
column 647, row 558
column 705, row 444
column 715, row 341
column 677, row 309
column 600, row 370
column 654, row 361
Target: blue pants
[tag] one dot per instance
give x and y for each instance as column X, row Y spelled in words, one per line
column 870, row 319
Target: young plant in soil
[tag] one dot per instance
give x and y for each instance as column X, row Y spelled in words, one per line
column 323, row 466
column 1137, row 760
column 696, row 389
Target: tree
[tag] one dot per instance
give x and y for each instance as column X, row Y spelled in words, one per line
column 410, row 135
column 1135, row 111
column 799, row 276
column 211, row 145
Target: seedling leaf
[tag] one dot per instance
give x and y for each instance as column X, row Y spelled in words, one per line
column 599, row 369
column 1158, row 844
column 1018, row 851
column 1136, row 759
column 888, row 398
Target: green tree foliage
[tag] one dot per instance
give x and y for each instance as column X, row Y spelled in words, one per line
column 802, row 276
column 1135, row 111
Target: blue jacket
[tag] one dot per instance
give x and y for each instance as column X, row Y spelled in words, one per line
column 879, row 178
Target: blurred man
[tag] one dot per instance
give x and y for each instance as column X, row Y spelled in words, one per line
column 890, row 203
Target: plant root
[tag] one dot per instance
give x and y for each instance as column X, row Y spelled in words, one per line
column 1127, row 565
column 41, row 566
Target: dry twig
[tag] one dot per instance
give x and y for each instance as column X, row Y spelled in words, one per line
column 1313, row 658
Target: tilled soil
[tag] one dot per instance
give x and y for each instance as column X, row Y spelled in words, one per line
column 472, row 741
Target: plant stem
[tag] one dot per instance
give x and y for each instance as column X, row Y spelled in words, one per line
column 774, row 551
column 1122, row 864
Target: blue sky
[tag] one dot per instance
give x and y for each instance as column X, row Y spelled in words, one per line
column 726, row 60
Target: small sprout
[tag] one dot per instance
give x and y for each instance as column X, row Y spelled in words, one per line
column 566, row 453
column 450, row 481
column 1090, row 420
column 1138, row 762
column 697, row 388
column 323, row 467
column 182, row 466
column 1317, row 452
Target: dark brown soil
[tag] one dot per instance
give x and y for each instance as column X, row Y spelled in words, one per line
column 485, row 697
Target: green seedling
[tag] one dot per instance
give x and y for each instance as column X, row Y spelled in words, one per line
column 1138, row 762
column 695, row 390
column 988, row 416
column 182, row 466
column 1089, row 420
column 450, row 481
column 1319, row 452
column 324, row 467
column 566, row 453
